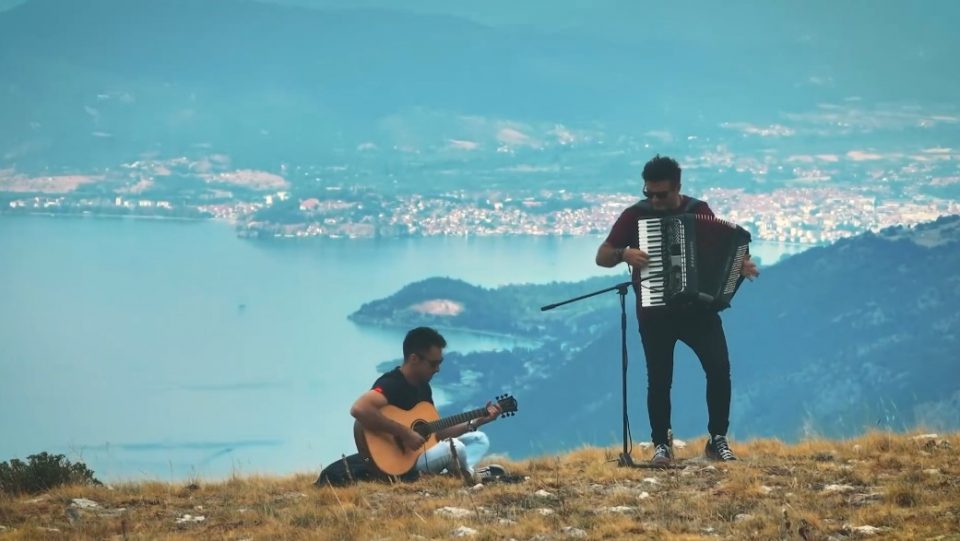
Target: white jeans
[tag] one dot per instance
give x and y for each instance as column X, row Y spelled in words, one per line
column 470, row 448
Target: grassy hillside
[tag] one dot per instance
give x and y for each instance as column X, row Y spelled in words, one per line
column 881, row 485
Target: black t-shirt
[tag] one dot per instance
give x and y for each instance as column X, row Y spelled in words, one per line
column 400, row 392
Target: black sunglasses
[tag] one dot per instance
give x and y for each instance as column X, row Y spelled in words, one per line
column 434, row 363
column 656, row 195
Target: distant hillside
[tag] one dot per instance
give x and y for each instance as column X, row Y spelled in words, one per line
column 864, row 333
column 94, row 83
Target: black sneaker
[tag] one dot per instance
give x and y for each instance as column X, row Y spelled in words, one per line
column 662, row 455
column 717, row 448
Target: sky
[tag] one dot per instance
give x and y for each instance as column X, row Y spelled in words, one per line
column 903, row 21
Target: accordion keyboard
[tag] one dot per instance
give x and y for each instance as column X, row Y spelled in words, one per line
column 652, row 276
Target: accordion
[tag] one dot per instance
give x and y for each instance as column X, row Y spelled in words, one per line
column 693, row 259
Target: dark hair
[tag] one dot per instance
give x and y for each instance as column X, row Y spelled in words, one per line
column 662, row 168
column 421, row 339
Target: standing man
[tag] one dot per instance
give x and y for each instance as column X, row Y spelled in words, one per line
column 409, row 384
column 661, row 327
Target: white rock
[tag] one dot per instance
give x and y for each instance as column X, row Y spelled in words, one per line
column 463, row 531
column 932, row 471
column 596, row 487
column 866, row 498
column 543, row 494
column 618, row 509
column 925, row 437
column 544, row 511
column 453, row 512
column 765, row 489
column 506, row 522
column 838, row 488
column 644, row 495
column 645, row 445
column 83, row 503
column 477, row 487
column 742, row 517
column 651, row 481
column 187, row 519
column 570, row 531
column 679, row 444
column 864, row 530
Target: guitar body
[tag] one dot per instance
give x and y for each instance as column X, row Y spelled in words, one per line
column 385, row 450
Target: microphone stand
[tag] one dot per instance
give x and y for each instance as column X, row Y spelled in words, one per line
column 625, row 459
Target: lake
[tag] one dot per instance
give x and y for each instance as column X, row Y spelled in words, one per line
column 166, row 350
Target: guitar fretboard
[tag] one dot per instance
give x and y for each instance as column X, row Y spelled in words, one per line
column 453, row 420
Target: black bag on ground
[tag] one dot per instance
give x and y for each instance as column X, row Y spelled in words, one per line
column 353, row 469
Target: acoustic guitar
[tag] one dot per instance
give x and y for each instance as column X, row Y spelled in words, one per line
column 389, row 455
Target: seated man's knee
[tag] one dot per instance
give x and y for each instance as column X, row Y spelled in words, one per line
column 474, row 438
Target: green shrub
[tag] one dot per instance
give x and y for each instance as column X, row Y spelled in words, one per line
column 42, row 472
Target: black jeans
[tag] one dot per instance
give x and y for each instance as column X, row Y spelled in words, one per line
column 703, row 332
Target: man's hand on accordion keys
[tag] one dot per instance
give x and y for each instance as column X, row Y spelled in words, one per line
column 749, row 268
column 635, row 257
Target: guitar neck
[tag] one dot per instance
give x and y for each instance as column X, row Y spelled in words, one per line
column 453, row 420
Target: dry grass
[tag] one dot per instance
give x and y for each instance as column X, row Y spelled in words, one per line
column 903, row 486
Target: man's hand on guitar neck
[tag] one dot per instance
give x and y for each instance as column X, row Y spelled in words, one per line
column 493, row 411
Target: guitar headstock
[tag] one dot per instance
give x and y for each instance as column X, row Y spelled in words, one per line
column 508, row 405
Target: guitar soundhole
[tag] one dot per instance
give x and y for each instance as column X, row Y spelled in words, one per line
column 421, row 427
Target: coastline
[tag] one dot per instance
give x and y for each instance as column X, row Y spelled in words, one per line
column 103, row 216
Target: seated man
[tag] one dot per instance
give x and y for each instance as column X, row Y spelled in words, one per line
column 406, row 386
